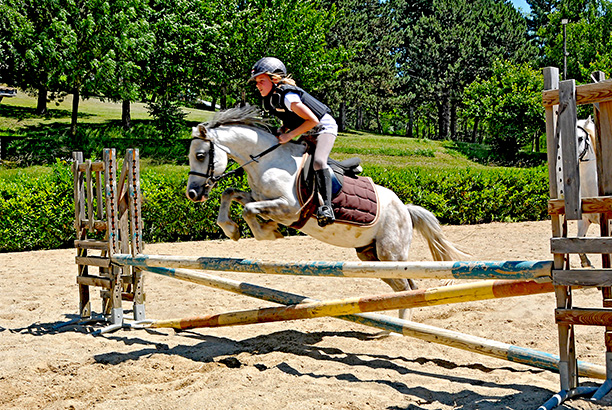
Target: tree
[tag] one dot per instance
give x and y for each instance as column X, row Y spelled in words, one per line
column 98, row 32
column 455, row 44
column 510, row 103
column 293, row 31
column 367, row 83
column 538, row 18
column 589, row 37
column 33, row 32
column 121, row 73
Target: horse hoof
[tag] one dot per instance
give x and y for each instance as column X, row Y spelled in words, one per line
column 233, row 234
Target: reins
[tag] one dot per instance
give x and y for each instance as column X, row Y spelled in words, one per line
column 211, row 156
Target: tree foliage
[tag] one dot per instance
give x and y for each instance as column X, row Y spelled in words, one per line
column 380, row 65
column 368, row 81
column 510, row 104
column 456, row 43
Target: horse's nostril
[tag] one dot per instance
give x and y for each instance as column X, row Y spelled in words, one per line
column 192, row 194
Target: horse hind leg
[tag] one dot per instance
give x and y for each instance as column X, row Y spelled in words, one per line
column 370, row 254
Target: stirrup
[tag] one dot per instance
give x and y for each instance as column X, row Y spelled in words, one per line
column 325, row 215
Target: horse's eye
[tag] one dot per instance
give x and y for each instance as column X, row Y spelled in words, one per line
column 200, row 156
column 580, row 139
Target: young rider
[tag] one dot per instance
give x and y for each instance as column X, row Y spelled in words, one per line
column 299, row 112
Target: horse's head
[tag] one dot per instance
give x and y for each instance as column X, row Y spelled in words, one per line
column 205, row 162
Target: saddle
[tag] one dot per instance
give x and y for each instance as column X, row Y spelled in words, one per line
column 354, row 201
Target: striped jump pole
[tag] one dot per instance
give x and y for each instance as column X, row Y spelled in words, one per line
column 391, row 270
column 499, row 350
column 399, row 300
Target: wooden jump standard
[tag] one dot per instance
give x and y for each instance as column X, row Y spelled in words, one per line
column 560, row 100
column 503, row 351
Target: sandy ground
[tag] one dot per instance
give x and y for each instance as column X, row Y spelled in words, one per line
column 307, row 364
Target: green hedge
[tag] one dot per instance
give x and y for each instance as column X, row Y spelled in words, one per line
column 37, row 212
column 471, row 196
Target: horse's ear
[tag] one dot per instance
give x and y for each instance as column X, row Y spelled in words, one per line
column 202, row 129
column 589, row 119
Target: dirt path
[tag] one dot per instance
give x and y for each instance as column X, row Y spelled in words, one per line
column 308, row 364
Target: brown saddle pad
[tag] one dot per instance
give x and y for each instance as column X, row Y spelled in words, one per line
column 356, row 204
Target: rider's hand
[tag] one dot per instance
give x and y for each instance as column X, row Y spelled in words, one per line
column 284, row 138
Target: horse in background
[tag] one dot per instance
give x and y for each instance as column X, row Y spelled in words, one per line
column 586, row 140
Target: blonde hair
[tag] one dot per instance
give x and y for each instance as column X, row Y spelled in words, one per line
column 282, row 79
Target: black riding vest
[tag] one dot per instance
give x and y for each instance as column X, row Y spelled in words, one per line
column 274, row 103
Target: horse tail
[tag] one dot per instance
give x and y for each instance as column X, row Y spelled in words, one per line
column 428, row 225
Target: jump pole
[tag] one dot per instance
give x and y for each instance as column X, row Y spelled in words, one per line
column 399, row 300
column 383, row 269
column 499, row 350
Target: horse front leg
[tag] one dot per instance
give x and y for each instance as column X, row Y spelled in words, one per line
column 266, row 230
column 271, row 210
column 230, row 228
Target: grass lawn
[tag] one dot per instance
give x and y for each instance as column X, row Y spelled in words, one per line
column 17, row 117
column 92, row 110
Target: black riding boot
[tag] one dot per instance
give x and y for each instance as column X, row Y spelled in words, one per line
column 325, row 212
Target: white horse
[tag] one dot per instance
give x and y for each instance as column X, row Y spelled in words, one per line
column 273, row 198
column 586, row 141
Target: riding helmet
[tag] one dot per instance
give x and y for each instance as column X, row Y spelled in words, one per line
column 270, row 65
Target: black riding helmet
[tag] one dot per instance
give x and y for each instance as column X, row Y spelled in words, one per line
column 270, row 65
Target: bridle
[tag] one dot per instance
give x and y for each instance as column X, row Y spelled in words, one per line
column 587, row 144
column 210, row 174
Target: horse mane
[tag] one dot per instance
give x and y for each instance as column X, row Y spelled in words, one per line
column 248, row 115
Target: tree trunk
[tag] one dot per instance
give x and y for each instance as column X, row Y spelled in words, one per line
column 410, row 124
column 41, row 105
column 453, row 121
column 536, row 142
column 223, row 99
column 359, row 118
column 126, row 116
column 342, row 117
column 378, row 123
column 213, row 103
column 75, row 111
column 443, row 119
column 475, row 130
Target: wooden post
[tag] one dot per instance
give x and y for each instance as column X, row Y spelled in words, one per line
column 110, row 180
column 81, row 234
column 563, row 293
column 137, row 245
column 569, row 148
column 400, row 300
column 602, row 113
